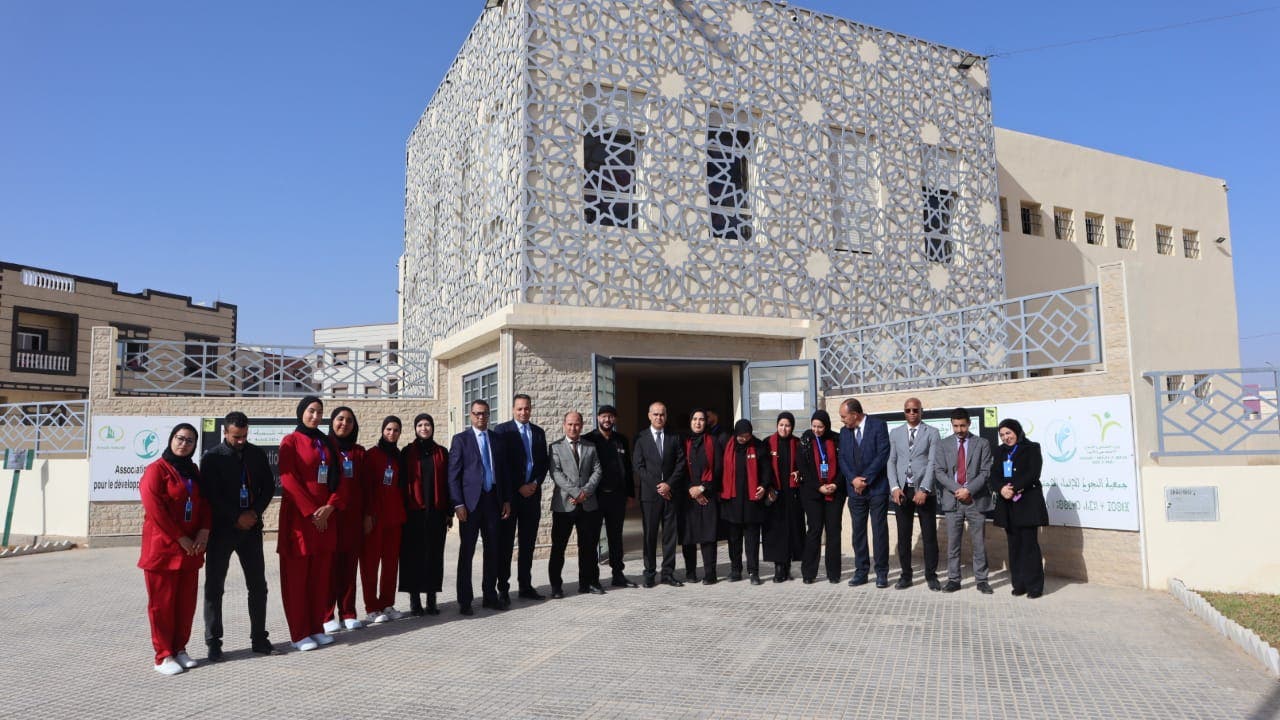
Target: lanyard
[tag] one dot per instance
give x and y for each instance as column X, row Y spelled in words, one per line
column 822, row 451
column 1013, row 449
column 324, row 454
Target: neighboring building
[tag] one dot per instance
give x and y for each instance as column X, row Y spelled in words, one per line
column 45, row 355
column 354, row 355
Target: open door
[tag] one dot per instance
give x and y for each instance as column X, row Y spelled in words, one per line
column 768, row 388
column 604, row 387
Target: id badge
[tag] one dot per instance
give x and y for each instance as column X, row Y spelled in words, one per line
column 186, row 512
column 244, row 497
column 388, row 475
column 823, row 468
column 348, row 469
column 1008, row 468
column 322, row 475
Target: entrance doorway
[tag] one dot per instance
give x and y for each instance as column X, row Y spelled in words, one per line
column 684, row 385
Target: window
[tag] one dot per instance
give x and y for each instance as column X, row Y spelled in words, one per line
column 1063, row 225
column 1191, row 244
column 32, row 340
column 1164, row 239
column 608, row 189
column 1173, row 384
column 1031, row 219
column 480, row 385
column 201, row 356
column 939, row 208
column 856, row 191
column 393, row 357
column 393, row 388
column 134, row 339
column 1124, row 234
column 728, row 193
column 1202, row 386
column 1004, row 214
column 1095, row 232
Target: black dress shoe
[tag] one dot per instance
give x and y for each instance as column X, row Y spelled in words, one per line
column 495, row 604
column 934, row 585
column 755, row 579
column 903, row 583
column 1018, row 591
column 465, row 610
column 530, row 594
column 265, row 647
column 951, row 586
column 1034, row 594
column 691, row 577
column 710, row 580
column 557, row 593
column 431, row 604
column 672, row 582
column 623, row 581
column 504, row 597
column 856, row 581
column 984, row 588
column 433, row 610
column 650, row 582
column 735, row 575
column 834, row 580
column 810, row 581
column 882, row 583
column 593, row 589
column 215, row 655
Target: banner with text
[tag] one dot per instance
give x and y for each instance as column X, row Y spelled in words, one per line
column 1090, row 472
column 121, row 448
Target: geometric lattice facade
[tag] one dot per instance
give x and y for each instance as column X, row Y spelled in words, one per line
column 742, row 158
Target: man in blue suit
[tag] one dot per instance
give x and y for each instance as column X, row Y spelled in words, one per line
column 526, row 450
column 480, row 495
column 863, row 455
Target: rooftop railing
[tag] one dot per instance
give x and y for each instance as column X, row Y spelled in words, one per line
column 1216, row 411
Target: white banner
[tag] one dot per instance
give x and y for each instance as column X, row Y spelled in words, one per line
column 121, row 448
column 1090, row 472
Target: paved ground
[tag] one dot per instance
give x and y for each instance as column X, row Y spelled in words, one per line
column 75, row 644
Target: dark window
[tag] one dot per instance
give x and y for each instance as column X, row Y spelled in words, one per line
column 608, row 190
column 727, row 188
column 939, row 207
column 32, row 339
column 1031, row 220
column 134, row 338
column 201, row 356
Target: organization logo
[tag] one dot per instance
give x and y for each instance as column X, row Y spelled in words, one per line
column 110, row 433
column 146, row 444
column 1060, row 439
column 1105, row 423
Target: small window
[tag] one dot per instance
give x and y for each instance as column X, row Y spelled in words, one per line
column 393, row 387
column 1124, row 234
column 1063, row 224
column 1191, row 244
column 939, row 209
column 856, row 191
column 1203, row 386
column 1031, row 224
column 728, row 192
column 1164, row 239
column 608, row 189
column 1173, row 384
column 1004, row 214
column 32, row 340
column 480, row 385
column 1095, row 232
column 134, row 338
column 201, row 356
column 393, row 357
column 340, row 390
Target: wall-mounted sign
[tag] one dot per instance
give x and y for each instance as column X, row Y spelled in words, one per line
column 1191, row 504
column 121, row 448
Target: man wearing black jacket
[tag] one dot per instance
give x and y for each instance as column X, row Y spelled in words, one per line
column 236, row 479
column 617, row 486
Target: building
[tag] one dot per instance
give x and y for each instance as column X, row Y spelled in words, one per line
column 355, row 358
column 45, row 355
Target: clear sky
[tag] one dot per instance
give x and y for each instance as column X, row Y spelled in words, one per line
column 254, row 151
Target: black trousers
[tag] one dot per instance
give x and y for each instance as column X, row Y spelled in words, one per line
column 928, row 514
column 751, row 532
column 1026, row 564
column 247, row 545
column 526, row 513
column 613, row 507
column 587, row 525
column 659, row 521
column 876, row 509
column 481, row 523
column 691, row 550
column 824, row 520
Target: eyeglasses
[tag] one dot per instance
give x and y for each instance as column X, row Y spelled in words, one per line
column 184, row 440
column 483, row 413
column 910, row 410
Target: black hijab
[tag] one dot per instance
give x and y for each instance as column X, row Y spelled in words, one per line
column 335, row 467
column 344, row 443
column 313, row 433
column 185, row 466
column 825, row 417
column 424, row 449
column 391, row 449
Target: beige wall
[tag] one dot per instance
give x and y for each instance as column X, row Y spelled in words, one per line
column 52, row 501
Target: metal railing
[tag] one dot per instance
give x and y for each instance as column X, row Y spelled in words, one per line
column 1216, row 412
column 57, row 429
column 207, row 369
column 42, row 361
column 983, row 343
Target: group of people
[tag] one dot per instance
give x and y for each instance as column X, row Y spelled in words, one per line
column 383, row 513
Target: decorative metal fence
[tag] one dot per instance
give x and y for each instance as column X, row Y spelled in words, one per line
column 1216, row 412
column 208, row 369
column 1059, row 329
column 52, row 429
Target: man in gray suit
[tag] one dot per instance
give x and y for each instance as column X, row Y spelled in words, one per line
column 575, row 470
column 912, row 457
column 964, row 465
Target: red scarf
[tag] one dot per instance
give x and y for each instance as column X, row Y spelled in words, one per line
column 729, row 489
column 792, row 478
column 440, row 466
column 831, row 464
column 709, row 447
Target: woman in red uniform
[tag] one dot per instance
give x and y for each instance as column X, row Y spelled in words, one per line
column 175, row 530
column 428, row 516
column 344, row 431
column 310, row 476
column 383, row 516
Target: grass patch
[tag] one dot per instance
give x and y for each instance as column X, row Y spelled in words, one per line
column 1259, row 613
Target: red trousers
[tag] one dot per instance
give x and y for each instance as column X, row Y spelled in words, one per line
column 381, row 546
column 304, row 590
column 343, row 586
column 171, row 608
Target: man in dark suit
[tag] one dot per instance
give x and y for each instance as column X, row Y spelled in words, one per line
column 480, row 496
column 526, row 450
column 617, row 486
column 658, row 460
column 964, row 466
column 863, row 455
column 236, row 479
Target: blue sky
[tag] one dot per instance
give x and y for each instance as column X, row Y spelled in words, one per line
column 254, row 152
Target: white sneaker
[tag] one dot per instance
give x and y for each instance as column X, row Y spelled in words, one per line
column 392, row 613
column 323, row 638
column 333, row 626
column 351, row 624
column 169, row 666
column 306, row 644
column 376, row 618
column 185, row 660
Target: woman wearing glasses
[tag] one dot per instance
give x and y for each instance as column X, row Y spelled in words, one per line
column 175, row 531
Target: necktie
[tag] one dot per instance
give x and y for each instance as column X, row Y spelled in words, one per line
column 857, row 435
column 486, row 461
column 574, row 444
column 962, row 472
column 657, row 438
column 911, row 443
column 528, row 452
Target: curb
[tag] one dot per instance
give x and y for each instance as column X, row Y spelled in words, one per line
column 37, row 549
column 1245, row 638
